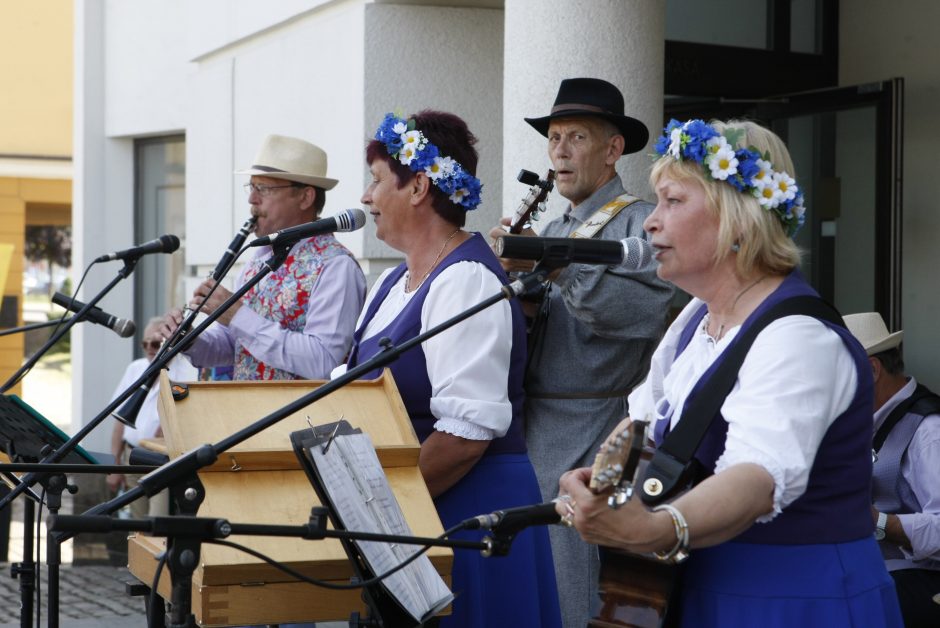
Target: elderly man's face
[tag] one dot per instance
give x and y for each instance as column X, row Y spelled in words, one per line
column 583, row 153
column 278, row 204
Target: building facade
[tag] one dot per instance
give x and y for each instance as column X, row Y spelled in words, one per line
column 171, row 97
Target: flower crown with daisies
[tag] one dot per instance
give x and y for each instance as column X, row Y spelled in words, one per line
column 745, row 169
column 411, row 148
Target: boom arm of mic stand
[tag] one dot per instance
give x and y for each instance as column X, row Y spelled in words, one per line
column 124, row 273
column 17, row 330
column 157, row 481
column 30, row 479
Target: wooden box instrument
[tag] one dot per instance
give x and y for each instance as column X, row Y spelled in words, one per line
column 261, row 481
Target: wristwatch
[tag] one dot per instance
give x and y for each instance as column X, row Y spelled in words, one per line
column 880, row 526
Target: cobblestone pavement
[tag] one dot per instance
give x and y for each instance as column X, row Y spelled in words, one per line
column 86, row 592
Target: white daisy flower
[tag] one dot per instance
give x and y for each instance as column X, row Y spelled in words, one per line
column 785, row 185
column 440, row 168
column 721, row 161
column 407, row 154
column 764, row 177
column 414, row 138
column 768, row 196
column 458, row 195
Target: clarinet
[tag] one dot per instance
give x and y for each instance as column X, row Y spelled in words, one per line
column 127, row 413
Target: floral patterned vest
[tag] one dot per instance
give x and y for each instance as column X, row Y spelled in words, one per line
column 283, row 296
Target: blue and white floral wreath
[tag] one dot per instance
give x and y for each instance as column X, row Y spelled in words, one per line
column 410, row 147
column 745, row 169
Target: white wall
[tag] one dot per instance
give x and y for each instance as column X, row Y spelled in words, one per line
column 229, row 72
column 880, row 40
column 438, row 58
column 621, row 42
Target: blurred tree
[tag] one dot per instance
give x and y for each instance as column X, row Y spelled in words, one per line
column 50, row 244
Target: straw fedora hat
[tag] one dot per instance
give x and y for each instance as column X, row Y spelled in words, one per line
column 291, row 159
column 870, row 330
column 592, row 97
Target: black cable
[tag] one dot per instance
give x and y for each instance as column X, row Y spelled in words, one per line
column 153, row 587
column 329, row 585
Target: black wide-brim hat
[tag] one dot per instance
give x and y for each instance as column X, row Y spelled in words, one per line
column 596, row 98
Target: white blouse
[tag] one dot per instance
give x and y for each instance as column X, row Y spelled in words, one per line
column 796, row 379
column 468, row 364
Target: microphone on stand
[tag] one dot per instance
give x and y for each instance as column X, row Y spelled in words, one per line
column 511, row 520
column 121, row 326
column 629, row 254
column 349, row 220
column 164, row 244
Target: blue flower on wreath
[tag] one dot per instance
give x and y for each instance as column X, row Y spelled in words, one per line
column 411, row 148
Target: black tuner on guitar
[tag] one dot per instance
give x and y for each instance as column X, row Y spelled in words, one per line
column 532, row 204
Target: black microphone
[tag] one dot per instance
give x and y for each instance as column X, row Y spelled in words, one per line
column 121, row 326
column 630, row 253
column 164, row 244
column 511, row 520
column 349, row 220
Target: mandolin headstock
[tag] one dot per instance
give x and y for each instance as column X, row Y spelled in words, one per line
column 616, row 463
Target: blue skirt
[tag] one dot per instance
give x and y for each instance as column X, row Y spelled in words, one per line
column 825, row 586
column 515, row 590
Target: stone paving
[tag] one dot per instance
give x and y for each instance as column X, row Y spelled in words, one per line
column 86, row 592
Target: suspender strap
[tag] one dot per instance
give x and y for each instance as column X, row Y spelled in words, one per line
column 672, row 466
column 602, row 216
column 926, row 402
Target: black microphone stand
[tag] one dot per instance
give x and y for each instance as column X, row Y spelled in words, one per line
column 158, row 363
column 180, row 474
column 54, row 480
column 124, row 273
column 17, row 330
column 278, row 257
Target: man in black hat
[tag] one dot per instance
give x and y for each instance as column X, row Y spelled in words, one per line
column 596, row 326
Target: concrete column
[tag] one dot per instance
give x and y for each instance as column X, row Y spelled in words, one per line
column 621, row 41
column 447, row 59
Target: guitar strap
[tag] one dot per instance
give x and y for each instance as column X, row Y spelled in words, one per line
column 602, row 216
column 673, row 465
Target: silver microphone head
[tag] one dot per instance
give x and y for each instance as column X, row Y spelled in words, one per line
column 637, row 253
column 350, row 220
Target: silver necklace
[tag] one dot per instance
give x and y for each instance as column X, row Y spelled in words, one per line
column 721, row 327
column 433, row 264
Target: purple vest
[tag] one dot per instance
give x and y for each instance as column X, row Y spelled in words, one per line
column 836, row 506
column 410, row 369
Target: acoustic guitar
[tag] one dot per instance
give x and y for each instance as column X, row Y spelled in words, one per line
column 634, row 588
column 534, row 202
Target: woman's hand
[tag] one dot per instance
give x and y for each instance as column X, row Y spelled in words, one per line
column 632, row 526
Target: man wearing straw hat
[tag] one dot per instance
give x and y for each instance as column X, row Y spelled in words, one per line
column 298, row 322
column 906, row 478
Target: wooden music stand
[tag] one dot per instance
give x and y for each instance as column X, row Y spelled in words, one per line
column 261, row 481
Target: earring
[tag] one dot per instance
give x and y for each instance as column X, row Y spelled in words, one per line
column 735, row 247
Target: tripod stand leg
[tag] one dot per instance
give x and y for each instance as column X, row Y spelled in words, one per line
column 26, row 570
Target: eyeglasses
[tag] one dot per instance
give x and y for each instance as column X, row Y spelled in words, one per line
column 153, row 344
column 267, row 190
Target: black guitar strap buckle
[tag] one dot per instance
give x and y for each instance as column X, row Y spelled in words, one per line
column 663, row 478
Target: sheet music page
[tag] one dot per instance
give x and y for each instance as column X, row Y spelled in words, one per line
column 356, row 483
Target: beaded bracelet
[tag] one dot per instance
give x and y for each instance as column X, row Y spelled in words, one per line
column 680, row 550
